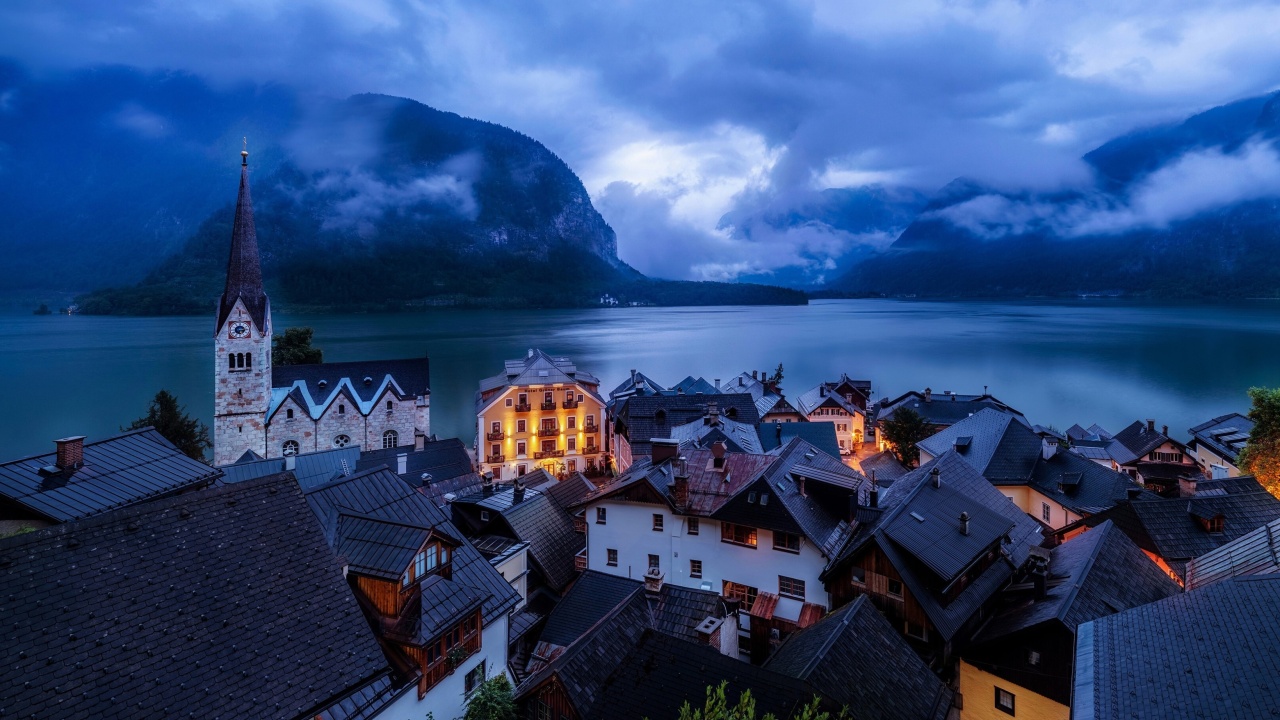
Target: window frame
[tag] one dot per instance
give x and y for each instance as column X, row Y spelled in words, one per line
column 602, row 516
column 468, row 679
column 655, row 562
column 611, row 557
column 779, row 534
column 731, row 590
column 693, row 526
column 729, row 535
column 659, row 522
column 793, row 584
column 888, row 589
column 695, row 569
column 393, row 437
column 287, row 451
column 1009, row 709
column 1046, row 512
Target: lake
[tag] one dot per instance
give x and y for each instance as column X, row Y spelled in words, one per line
column 1060, row 363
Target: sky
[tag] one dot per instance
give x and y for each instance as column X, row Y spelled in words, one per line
column 686, row 120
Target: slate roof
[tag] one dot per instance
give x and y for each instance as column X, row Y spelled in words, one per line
column 244, row 272
column 440, row 459
column 1134, row 442
column 821, row 435
column 311, row 469
column 536, row 368
column 640, row 419
column 381, row 493
column 1080, row 484
column 628, row 388
column 136, row 612
column 942, row 409
column 740, row 436
column 821, row 521
column 1216, row 654
column 823, row 396
column 1000, row 447
column 1168, row 527
column 377, row 546
column 316, row 386
column 590, row 599
column 677, row 611
column 693, row 386
column 966, row 491
column 860, row 661
column 1225, row 435
column 542, row 523
column 931, row 532
column 886, row 467
column 1094, row 432
column 568, row 492
column 443, row 602
column 117, row 472
column 1254, row 553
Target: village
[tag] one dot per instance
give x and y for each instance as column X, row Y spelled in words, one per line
column 621, row 547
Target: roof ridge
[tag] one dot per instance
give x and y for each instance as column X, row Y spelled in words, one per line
column 849, row 611
column 1107, row 527
column 346, row 478
column 123, row 434
column 347, row 512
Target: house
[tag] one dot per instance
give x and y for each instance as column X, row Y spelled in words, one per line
column 843, row 404
column 82, row 479
column 939, row 412
column 1207, row 653
column 261, row 411
column 637, row 384
column 857, row 659
column 1054, row 486
column 1174, row 530
column 1151, row 457
column 1216, row 444
column 539, row 412
column 223, row 602
column 771, row 404
column 820, row 435
column 932, row 552
column 1255, row 553
column 758, row 529
column 1021, row 661
column 439, row 608
column 884, row 467
column 712, row 427
column 636, row 421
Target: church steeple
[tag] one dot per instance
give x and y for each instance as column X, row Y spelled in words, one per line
column 244, row 271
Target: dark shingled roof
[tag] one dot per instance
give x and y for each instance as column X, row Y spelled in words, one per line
column 443, row 460
column 539, row 521
column 378, row 547
column 1080, row 484
column 1134, row 442
column 311, row 469
column 1253, row 553
column 886, row 467
column 859, row 660
column 999, row 446
column 1225, row 435
column 677, row 611
column 942, row 409
column 642, row 418
column 413, row 375
column 117, row 472
column 1207, row 653
column 380, row 493
column 136, row 612
column 244, row 273
column 591, row 598
column 821, row 435
column 443, row 602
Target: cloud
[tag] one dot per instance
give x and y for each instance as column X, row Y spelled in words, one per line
column 358, row 199
column 142, row 122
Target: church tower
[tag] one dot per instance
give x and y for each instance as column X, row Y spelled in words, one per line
column 242, row 343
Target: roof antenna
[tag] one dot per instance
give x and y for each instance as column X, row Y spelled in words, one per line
column 244, row 153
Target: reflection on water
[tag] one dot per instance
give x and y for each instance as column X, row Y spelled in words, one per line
column 1059, row 363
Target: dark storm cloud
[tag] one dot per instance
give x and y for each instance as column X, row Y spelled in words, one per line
column 685, row 119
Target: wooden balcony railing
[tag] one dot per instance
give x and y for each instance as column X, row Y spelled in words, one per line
column 549, row 405
column 444, row 666
column 494, row 435
column 590, row 428
column 523, row 407
column 548, row 432
column 580, row 523
column 494, row 458
column 542, row 454
column 580, row 560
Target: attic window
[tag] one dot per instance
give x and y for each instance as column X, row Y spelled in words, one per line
column 764, row 498
column 543, row 373
column 484, row 516
column 751, row 498
column 917, row 516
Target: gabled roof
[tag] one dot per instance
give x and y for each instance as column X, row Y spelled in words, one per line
column 535, row 368
column 860, row 661
column 821, row 435
column 117, row 472
column 377, row 546
column 244, row 271
column 317, row 386
column 1000, row 447
column 1225, row 435
column 140, row 612
column 943, row 408
column 443, row 602
column 1094, row 432
column 824, row 396
column 380, row 493
column 570, row 491
column 885, row 466
column 437, row 461
column 1254, row 553
column 311, row 469
column 1096, row 573
column 1135, row 441
column 740, row 436
column 1080, row 484
column 821, row 517
column 590, row 599
column 1220, row 640
column 932, row 533
column 966, row 491
column 693, row 386
column 640, row 419
column 637, row 383
column 542, row 523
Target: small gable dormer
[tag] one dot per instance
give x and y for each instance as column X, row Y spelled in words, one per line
column 389, row 560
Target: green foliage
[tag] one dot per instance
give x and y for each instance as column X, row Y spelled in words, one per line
column 777, row 376
column 903, row 431
column 43, row 310
column 717, row 707
column 493, row 700
column 1261, row 456
column 293, row 347
column 171, row 420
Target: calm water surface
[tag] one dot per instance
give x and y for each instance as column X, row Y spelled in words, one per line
column 1084, row 362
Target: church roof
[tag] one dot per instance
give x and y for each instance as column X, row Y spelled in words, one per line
column 244, row 270
column 314, row 387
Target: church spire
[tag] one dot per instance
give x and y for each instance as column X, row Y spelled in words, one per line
column 244, row 272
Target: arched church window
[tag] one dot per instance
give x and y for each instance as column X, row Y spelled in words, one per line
column 390, row 439
column 389, row 405
column 341, row 441
column 289, row 448
column 231, row 361
column 248, row 360
column 342, row 409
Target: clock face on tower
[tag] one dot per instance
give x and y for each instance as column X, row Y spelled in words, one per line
column 239, row 330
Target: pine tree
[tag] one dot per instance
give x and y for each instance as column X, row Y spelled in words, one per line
column 293, row 347
column 171, row 420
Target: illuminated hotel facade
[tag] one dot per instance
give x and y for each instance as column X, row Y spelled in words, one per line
column 540, row 412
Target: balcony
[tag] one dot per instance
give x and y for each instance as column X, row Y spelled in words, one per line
column 494, row 435
column 580, row 560
column 580, row 523
column 523, row 407
column 569, row 404
column 543, row 454
column 589, row 428
column 591, row 450
column 494, row 458
column 548, row 432
column 445, row 664
column 548, row 405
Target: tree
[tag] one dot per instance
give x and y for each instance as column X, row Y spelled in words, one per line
column 293, row 347
column 777, row 376
column 171, row 420
column 903, row 431
column 717, row 707
column 492, row 701
column 43, row 309
column 1261, row 455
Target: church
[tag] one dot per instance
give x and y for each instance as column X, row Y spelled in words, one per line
column 266, row 412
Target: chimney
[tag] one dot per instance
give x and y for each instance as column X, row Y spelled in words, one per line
column 1039, row 580
column 486, row 484
column 936, row 477
column 800, row 485
column 717, row 384
column 964, row 523
column 70, row 452
column 822, row 391
column 1164, row 430
column 928, row 395
column 1133, row 492
column 718, row 449
column 753, row 375
column 873, row 497
column 1151, row 425
column 530, row 353
column 984, row 390
column 1187, row 486
column 664, row 449
column 777, row 428
column 290, row 462
column 653, row 581
column 402, row 463
column 713, row 414
column 517, row 492
column 419, row 442
column 1048, row 449
column 680, row 487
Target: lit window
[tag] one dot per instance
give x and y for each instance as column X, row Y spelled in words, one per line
column 657, row 522
column 1033, row 657
column 895, row 588
column 693, row 526
column 573, row 465
column 613, row 557
column 786, row 542
column 742, row 593
column 695, row 568
column 791, row 587
column 390, row 439
column 1004, row 701
column 600, row 515
column 289, row 448
column 738, row 534
column 341, row 441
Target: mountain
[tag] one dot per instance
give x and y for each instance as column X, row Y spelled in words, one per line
column 1186, row 210
column 118, row 187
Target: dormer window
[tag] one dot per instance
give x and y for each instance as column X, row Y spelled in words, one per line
column 429, row 560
